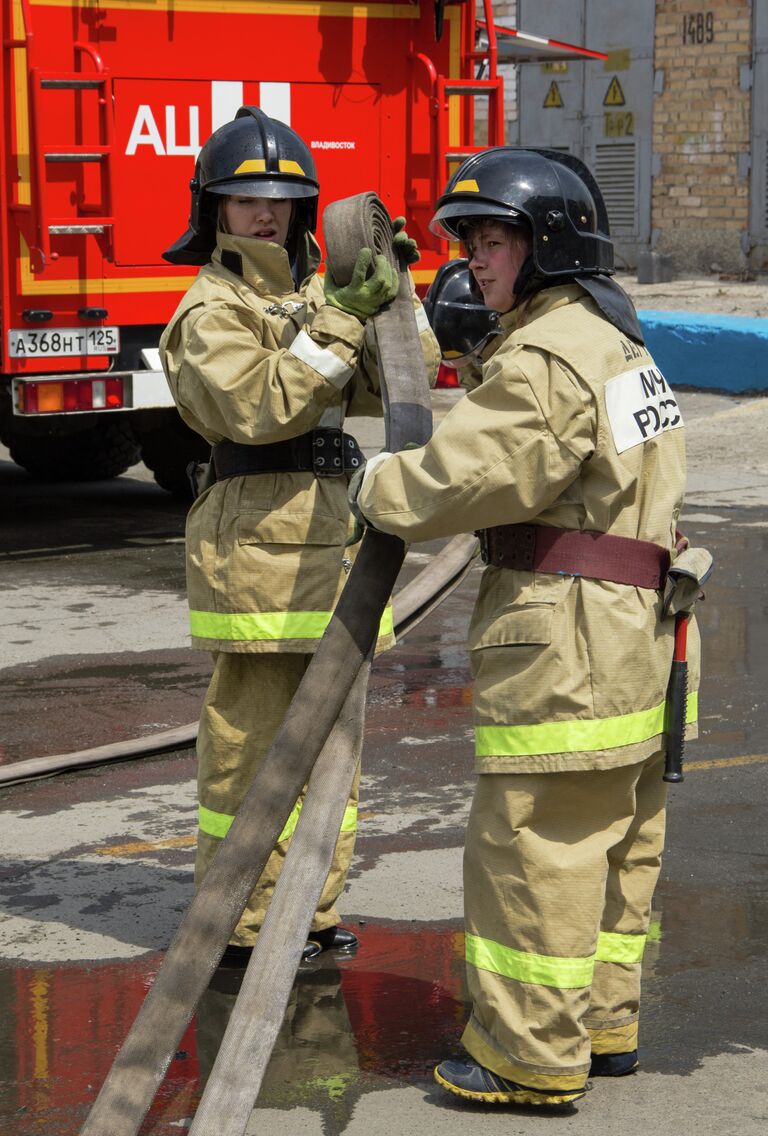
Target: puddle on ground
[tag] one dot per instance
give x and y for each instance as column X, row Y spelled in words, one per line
column 381, row 1018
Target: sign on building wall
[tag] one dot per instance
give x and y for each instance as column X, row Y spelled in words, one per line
column 601, row 112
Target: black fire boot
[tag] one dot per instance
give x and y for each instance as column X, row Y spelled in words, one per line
column 474, row 1082
column 330, row 939
column 613, row 1064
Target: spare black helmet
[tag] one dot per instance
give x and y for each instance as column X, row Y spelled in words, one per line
column 251, row 156
column 552, row 193
column 460, row 321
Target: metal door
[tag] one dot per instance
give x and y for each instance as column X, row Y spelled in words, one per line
column 758, row 189
column 602, row 112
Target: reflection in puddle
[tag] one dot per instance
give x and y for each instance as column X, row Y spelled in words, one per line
column 352, row 1024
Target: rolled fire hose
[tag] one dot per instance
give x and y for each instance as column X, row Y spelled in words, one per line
column 342, row 653
column 253, row 1026
column 410, row 606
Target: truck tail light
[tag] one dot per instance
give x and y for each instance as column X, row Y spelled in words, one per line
column 68, row 395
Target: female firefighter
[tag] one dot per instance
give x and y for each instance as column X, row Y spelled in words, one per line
column 265, row 361
column 569, row 457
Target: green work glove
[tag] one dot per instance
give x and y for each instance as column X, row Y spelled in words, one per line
column 374, row 282
column 403, row 244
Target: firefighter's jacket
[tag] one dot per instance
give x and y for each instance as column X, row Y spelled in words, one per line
column 252, row 359
column 575, row 427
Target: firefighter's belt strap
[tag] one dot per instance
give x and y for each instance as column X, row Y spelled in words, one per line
column 323, row 452
column 568, row 552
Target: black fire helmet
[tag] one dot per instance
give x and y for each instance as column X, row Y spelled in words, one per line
column 251, row 156
column 553, row 192
column 555, row 196
column 460, row 321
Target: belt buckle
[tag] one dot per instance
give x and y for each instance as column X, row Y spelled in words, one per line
column 327, row 452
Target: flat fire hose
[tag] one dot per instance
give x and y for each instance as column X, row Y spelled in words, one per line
column 341, row 658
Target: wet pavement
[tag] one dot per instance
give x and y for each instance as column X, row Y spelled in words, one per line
column 96, row 866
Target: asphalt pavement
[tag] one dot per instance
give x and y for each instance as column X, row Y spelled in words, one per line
column 97, row 866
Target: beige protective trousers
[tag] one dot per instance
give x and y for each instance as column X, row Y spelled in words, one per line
column 246, row 701
column 559, row 871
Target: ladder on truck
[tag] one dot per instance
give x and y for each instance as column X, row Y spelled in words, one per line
column 35, row 219
column 478, row 79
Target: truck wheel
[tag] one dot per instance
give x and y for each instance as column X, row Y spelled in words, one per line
column 168, row 450
column 93, row 454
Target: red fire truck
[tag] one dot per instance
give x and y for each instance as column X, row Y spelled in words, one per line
column 104, row 108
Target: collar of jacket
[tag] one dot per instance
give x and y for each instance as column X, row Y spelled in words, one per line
column 540, row 304
column 263, row 265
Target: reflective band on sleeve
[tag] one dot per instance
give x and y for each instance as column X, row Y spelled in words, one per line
column 422, row 323
column 540, row 970
column 254, row 627
column 219, row 824
column 576, row 735
column 619, row 948
column 326, row 362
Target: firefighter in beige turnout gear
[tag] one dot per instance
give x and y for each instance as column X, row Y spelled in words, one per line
column 569, row 458
column 265, row 363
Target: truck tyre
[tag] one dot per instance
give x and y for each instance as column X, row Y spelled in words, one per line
column 94, row 454
column 168, row 450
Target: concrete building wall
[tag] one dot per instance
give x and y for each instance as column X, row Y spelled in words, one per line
column 701, row 133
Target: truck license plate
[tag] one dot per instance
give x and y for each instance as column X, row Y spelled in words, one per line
column 23, row 344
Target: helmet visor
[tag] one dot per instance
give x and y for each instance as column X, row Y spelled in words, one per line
column 454, row 360
column 450, row 214
column 262, row 187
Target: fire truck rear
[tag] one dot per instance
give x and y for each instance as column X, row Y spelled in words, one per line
column 105, row 107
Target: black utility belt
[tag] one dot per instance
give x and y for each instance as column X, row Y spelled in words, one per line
column 325, row 452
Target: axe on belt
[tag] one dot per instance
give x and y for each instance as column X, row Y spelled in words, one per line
column 682, row 589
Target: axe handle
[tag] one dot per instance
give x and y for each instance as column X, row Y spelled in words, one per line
column 677, row 696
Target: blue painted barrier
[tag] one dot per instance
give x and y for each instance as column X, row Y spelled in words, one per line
column 710, row 352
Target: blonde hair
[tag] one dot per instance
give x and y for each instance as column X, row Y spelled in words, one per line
column 221, row 216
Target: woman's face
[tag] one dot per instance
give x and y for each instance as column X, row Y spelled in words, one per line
column 264, row 218
column 496, row 253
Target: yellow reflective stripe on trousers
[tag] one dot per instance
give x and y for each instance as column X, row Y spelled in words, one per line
column 612, row 947
column 218, row 824
column 253, row 626
column 524, row 966
column 576, row 735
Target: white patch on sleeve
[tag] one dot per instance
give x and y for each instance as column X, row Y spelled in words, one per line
column 640, row 406
column 321, row 359
column 422, row 323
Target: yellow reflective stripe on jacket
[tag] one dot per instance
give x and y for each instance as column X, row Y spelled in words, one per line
column 252, row 626
column 219, row 824
column 577, row 734
column 524, row 966
column 612, row 947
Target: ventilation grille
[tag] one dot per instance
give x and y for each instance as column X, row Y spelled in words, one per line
column 615, row 173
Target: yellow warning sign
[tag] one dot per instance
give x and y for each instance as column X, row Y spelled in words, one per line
column 614, row 95
column 553, row 96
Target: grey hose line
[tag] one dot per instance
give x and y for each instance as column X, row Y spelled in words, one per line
column 410, row 606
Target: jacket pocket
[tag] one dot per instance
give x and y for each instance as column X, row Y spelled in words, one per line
column 290, row 528
column 523, row 626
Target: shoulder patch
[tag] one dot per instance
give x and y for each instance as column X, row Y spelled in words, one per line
column 640, row 406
